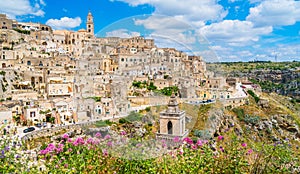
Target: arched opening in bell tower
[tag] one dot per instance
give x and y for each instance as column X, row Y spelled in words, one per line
column 170, row 127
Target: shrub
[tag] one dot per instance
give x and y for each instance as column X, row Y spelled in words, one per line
column 239, row 112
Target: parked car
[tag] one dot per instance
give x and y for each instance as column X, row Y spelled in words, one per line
column 39, row 125
column 30, row 129
column 44, row 124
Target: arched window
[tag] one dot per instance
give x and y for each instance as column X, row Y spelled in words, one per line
column 170, row 127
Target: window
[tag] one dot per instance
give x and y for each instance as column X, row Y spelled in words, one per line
column 32, row 114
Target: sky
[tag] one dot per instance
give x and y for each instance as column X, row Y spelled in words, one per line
column 219, row 30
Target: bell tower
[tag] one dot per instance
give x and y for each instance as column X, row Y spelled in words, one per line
column 172, row 121
column 90, row 24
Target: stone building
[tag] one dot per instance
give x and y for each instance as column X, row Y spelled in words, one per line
column 172, row 121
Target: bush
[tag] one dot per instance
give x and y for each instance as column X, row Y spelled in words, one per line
column 239, row 112
column 123, row 120
column 133, row 116
column 256, row 98
column 147, row 109
column 251, row 119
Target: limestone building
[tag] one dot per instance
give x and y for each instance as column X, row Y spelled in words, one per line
column 172, row 121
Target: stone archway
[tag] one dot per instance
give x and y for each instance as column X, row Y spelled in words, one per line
column 170, row 128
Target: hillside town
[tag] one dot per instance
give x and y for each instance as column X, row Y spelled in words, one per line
column 66, row 77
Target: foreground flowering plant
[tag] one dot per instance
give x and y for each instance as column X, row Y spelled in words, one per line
column 121, row 154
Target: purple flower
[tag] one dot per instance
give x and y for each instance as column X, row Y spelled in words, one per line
column 6, row 148
column 220, row 138
column 98, row 135
column 244, row 144
column 138, row 145
column 66, row 165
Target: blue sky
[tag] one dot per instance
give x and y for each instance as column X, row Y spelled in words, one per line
column 232, row 30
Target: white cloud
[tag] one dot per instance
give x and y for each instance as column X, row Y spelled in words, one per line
column 123, row 33
column 275, row 13
column 64, row 23
column 189, row 10
column 234, row 32
column 14, row 8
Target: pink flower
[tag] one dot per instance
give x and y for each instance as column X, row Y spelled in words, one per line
column 79, row 140
column 104, row 152
column 107, row 137
column 249, row 151
column 194, row 147
column 96, row 142
column 199, row 143
column 58, row 150
column 60, row 145
column 70, row 149
column 109, row 144
column 75, row 143
column 70, row 140
column 181, row 151
column 123, row 133
column 66, row 165
column 220, row 138
column 98, row 135
column 65, row 136
column 188, row 140
column 43, row 152
column 221, row 149
column 244, row 144
column 90, row 140
column 176, row 140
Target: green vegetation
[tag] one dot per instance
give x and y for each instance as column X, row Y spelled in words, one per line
column 2, row 73
column 249, row 66
column 102, row 123
column 169, row 90
column 151, row 86
column 45, row 112
column 96, row 98
column 239, row 112
column 230, row 154
column 268, row 85
column 256, row 98
column 133, row 116
column 22, row 31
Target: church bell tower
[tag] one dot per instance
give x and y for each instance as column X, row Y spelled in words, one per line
column 90, row 24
